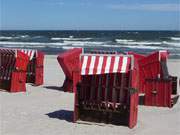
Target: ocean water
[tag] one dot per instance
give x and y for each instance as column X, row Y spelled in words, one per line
column 53, row 42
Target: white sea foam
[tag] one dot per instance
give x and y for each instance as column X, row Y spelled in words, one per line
column 65, row 43
column 31, row 43
column 145, row 47
column 21, row 37
column 140, row 43
column 5, row 38
column 84, row 43
column 72, row 44
column 68, row 47
column 123, row 40
column 132, row 42
column 144, row 43
column 175, row 44
column 23, row 46
column 37, row 36
column 14, row 37
column 70, row 39
column 135, row 46
column 24, row 36
column 175, row 38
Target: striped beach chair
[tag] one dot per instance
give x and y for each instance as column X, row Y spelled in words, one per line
column 13, row 67
column 35, row 70
column 105, row 89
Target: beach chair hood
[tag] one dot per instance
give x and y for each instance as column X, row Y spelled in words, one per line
column 103, row 64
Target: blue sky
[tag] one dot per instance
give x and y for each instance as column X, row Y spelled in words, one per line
column 90, row 14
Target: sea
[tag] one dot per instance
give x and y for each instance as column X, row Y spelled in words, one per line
column 54, row 42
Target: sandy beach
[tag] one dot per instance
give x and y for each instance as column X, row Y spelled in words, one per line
column 47, row 110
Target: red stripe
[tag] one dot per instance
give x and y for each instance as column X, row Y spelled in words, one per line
column 82, row 59
column 128, row 64
column 88, row 65
column 104, row 64
column 29, row 53
column 96, row 65
column 112, row 64
column 120, row 64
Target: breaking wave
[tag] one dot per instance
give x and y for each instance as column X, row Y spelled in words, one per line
column 5, row 38
column 132, row 42
column 175, row 38
column 70, row 39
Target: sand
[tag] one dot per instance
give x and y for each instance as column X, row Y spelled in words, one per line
column 47, row 110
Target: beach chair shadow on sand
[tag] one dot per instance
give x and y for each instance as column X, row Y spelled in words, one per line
column 62, row 115
column 54, row 88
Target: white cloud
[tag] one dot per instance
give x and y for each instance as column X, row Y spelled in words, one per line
column 146, row 7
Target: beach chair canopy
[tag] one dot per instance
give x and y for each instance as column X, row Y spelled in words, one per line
column 95, row 64
column 29, row 52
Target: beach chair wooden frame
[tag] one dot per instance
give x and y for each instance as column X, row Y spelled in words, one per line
column 69, row 61
column 109, row 98
column 13, row 66
column 35, row 69
column 159, row 88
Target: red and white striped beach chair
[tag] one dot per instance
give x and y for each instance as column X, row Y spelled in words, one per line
column 35, row 70
column 13, row 67
column 106, row 90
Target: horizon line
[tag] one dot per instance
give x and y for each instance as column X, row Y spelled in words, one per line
column 84, row 30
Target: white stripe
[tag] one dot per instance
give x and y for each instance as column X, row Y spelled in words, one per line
column 29, row 52
column 116, row 64
column 32, row 54
column 108, row 64
column 124, row 64
column 25, row 51
column 93, row 58
column 83, row 70
column 99, row 67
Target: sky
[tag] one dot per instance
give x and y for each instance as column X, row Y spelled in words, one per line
column 90, row 14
